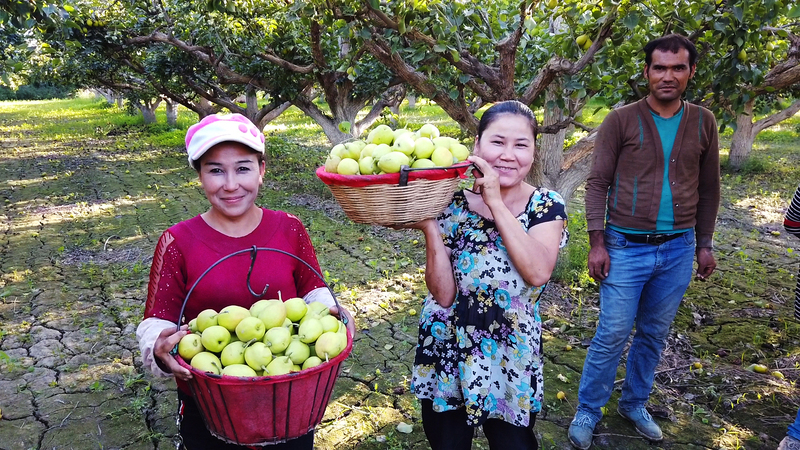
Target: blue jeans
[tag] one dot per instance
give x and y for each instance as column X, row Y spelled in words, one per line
column 645, row 286
column 794, row 429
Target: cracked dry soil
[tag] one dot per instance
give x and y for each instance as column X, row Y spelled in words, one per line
column 81, row 214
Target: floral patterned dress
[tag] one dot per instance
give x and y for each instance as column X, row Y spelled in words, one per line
column 484, row 352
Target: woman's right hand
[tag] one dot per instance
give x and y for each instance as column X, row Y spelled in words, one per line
column 166, row 341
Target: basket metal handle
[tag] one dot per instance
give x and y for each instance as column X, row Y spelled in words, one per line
column 253, row 251
column 405, row 170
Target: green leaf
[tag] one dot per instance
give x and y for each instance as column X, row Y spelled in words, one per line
column 738, row 13
column 453, row 94
column 439, row 48
column 454, row 54
column 344, row 127
column 631, row 21
column 794, row 12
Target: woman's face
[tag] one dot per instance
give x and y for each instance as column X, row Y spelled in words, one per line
column 231, row 174
column 507, row 144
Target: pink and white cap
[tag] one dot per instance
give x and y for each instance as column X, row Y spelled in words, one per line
column 217, row 128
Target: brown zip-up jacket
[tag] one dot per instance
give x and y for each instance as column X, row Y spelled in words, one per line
column 628, row 170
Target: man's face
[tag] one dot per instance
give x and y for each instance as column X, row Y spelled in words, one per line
column 668, row 74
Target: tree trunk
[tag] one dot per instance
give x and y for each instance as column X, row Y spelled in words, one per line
column 120, row 99
column 743, row 137
column 148, row 110
column 412, row 101
column 172, row 112
column 550, row 154
column 272, row 115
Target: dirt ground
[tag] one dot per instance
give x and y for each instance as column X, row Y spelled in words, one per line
column 80, row 217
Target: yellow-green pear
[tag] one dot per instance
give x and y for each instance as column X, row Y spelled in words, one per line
column 330, row 344
column 273, row 314
column 459, row 151
column 298, row 351
column 215, row 338
column 423, row 147
column 367, row 150
column 392, row 162
column 193, row 325
column 233, row 353
column 339, row 150
column 366, row 165
column 382, row 134
column 279, row 366
column 442, row 157
column 257, row 307
column 277, row 339
column 423, row 164
column 442, row 141
column 380, row 150
column 238, row 370
column 295, row 308
column 353, row 149
column 257, row 355
column 329, row 323
column 318, row 309
column 347, row 166
column 332, row 163
column 405, row 144
column 206, row 318
column 206, row 362
column 312, row 361
column 230, row 316
column 429, row 130
column 309, row 330
column 250, row 328
column 399, row 132
column 189, row 346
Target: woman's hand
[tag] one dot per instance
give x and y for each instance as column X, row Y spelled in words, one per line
column 487, row 185
column 345, row 314
column 166, row 341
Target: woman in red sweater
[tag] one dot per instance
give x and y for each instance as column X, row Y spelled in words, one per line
column 228, row 153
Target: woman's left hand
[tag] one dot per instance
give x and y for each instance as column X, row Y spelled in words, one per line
column 345, row 314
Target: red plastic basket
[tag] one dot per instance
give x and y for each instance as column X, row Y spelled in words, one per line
column 258, row 411
column 265, row 410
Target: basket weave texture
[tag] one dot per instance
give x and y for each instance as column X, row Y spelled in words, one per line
column 380, row 200
column 265, row 410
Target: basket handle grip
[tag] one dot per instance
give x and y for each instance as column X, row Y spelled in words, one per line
column 253, row 251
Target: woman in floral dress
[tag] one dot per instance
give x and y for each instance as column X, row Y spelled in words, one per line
column 489, row 255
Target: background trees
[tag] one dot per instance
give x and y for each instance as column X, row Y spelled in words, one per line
column 342, row 63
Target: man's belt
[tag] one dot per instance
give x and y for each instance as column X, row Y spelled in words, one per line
column 652, row 239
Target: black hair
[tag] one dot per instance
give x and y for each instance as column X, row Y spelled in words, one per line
column 670, row 43
column 506, row 107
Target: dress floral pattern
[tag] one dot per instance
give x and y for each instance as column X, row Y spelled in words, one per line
column 484, row 352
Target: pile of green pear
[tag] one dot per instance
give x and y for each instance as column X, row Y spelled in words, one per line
column 271, row 338
column 386, row 151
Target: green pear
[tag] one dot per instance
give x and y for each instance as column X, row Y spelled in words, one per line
column 295, row 308
column 379, row 151
column 339, row 150
column 329, row 323
column 429, row 130
column 423, row 147
column 189, row 346
column 233, row 353
column 296, row 368
column 318, row 309
column 230, row 316
column 312, row 361
column 443, row 141
column 298, row 351
column 310, row 330
column 423, row 163
column 250, row 328
column 291, row 326
column 460, row 151
column 279, row 366
column 193, row 325
column 382, row 134
column 277, row 339
column 330, row 344
column 442, row 157
column 257, row 307
column 206, row 362
column 405, row 144
column 238, row 370
column 399, row 132
column 215, row 338
column 257, row 355
column 347, row 166
column 332, row 163
column 273, row 314
column 367, row 151
column 392, row 162
column 206, row 318
column 366, row 165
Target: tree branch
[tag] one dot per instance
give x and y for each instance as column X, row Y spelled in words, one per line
column 776, row 118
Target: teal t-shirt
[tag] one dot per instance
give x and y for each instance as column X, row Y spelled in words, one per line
column 665, row 222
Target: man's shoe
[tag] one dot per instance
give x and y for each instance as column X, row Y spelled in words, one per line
column 789, row 443
column 581, row 430
column 643, row 422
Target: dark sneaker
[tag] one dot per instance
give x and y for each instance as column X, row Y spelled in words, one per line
column 581, row 430
column 643, row 422
column 789, row 443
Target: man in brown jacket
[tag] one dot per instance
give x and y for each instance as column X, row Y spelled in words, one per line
column 651, row 205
